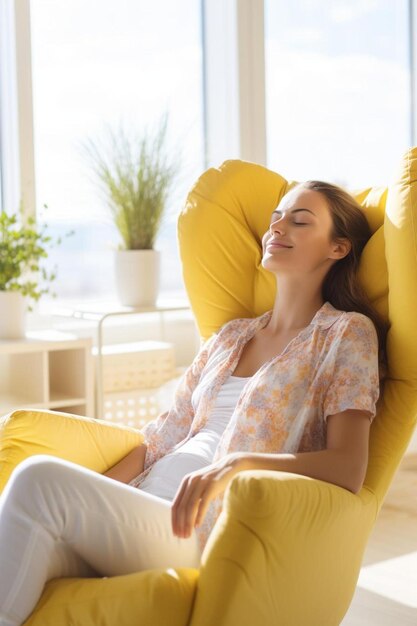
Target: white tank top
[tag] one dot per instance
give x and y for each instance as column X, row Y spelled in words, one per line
column 166, row 474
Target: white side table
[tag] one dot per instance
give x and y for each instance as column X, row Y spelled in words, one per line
column 47, row 370
column 102, row 311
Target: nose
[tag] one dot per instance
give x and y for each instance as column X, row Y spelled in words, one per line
column 277, row 225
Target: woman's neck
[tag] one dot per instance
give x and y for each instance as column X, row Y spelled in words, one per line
column 294, row 308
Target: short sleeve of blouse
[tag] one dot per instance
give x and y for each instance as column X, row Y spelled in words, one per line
column 354, row 381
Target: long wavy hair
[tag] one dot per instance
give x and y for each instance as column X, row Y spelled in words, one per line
column 341, row 286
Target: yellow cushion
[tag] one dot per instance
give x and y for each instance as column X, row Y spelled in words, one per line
column 373, row 274
column 220, row 229
column 152, row 598
column 95, row 444
column 279, row 538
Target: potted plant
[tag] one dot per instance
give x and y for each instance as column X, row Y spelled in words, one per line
column 22, row 278
column 135, row 174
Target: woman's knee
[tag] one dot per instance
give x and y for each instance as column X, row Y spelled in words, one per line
column 34, row 486
column 34, row 471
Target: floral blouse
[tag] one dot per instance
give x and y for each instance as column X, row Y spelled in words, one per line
column 329, row 367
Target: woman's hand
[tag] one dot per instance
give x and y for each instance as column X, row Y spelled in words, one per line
column 198, row 488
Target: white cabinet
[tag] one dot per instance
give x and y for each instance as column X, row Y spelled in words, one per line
column 48, row 370
column 101, row 312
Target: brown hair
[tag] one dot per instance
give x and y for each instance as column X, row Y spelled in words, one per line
column 341, row 286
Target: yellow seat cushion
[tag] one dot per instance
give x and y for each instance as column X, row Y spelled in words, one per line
column 152, row 598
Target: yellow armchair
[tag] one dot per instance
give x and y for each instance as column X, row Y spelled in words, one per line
column 286, row 549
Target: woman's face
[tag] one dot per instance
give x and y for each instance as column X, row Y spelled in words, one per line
column 302, row 222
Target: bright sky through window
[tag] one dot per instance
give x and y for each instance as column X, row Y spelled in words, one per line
column 99, row 62
column 338, row 100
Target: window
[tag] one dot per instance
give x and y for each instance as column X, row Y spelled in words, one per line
column 337, row 89
column 99, row 62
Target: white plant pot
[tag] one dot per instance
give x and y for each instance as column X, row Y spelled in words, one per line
column 13, row 308
column 137, row 275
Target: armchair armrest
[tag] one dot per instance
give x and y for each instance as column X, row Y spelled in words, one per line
column 93, row 443
column 286, row 550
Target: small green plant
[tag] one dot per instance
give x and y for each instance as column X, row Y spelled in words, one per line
column 135, row 175
column 22, row 247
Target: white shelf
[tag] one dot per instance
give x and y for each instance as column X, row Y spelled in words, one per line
column 60, row 399
column 102, row 311
column 48, row 340
column 10, row 402
column 47, row 370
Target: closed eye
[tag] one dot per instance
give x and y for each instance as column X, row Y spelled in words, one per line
column 301, row 224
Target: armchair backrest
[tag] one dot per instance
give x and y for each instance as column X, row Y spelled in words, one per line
column 219, row 232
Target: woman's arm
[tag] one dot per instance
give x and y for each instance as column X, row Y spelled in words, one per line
column 130, row 466
column 343, row 463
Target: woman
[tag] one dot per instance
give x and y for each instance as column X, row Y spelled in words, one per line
column 292, row 390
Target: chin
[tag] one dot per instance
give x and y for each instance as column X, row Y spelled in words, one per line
column 273, row 265
column 268, row 264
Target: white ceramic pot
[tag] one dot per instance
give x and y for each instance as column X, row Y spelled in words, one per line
column 13, row 308
column 137, row 277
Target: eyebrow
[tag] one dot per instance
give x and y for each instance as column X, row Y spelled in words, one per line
column 294, row 211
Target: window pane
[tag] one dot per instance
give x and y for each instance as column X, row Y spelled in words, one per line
column 338, row 94
column 98, row 62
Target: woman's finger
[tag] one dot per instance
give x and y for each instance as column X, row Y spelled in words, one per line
column 194, row 494
column 187, row 510
column 177, row 502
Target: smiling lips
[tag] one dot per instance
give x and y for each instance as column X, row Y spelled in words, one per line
column 277, row 244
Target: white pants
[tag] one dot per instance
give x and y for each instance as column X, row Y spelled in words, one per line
column 59, row 519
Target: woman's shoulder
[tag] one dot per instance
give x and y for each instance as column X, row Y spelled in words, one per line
column 358, row 328
column 354, row 319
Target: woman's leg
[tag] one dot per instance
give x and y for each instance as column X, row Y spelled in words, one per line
column 60, row 519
